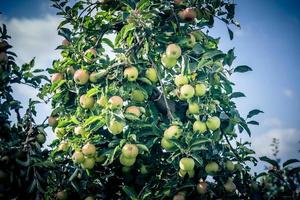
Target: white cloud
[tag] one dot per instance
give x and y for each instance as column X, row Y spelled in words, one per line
column 288, row 92
column 288, row 143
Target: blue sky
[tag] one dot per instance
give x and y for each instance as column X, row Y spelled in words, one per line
column 268, row 42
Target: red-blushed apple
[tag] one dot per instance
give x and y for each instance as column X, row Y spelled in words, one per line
column 168, row 62
column 187, row 91
column 213, row 123
column 173, row 51
column 88, row 163
column 187, row 164
column 200, row 89
column 89, row 150
column 52, row 121
column 81, row 77
column 116, row 126
column 166, row 144
column 202, row 187
column 56, row 77
column 181, row 80
column 229, row 186
column 172, row 131
column 199, row 127
column 87, row 102
column 188, row 14
column 151, row 74
column 77, row 157
column 115, row 102
column 130, row 150
column 211, row 168
column 193, row 108
column 138, row 95
column 90, row 55
column 126, row 161
column 134, row 110
column 131, row 73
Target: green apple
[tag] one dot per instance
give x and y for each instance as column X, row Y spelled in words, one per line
column 182, row 173
column 81, row 77
column 229, row 186
column 187, row 91
column 191, row 41
column 86, row 101
column 168, row 62
column 211, row 168
column 173, row 51
column 126, row 161
column 151, row 74
column 202, row 187
column 40, row 138
column 116, row 126
column 134, row 110
column 89, row 150
column 200, row 89
column 130, row 150
column 77, row 157
column 229, row 165
column 103, row 101
column 194, row 108
column 181, row 80
column 52, row 121
column 115, row 102
column 188, row 14
column 213, row 123
column 88, row 163
column 62, row 195
column 138, row 95
column 79, row 130
column 90, row 55
column 96, row 76
column 166, row 144
column 144, row 169
column 172, row 131
column 199, row 126
column 56, row 77
column 59, row 132
column 131, row 73
column 63, row 146
column 187, row 164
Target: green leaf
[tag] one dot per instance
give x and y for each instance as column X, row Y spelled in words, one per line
column 130, row 192
column 237, row 95
column 108, row 42
column 242, row 69
column 254, row 112
column 230, row 33
column 290, row 161
column 229, row 58
column 253, row 122
column 270, row 161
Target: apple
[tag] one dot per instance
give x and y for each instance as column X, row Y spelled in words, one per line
column 65, row 42
column 88, row 163
column 199, row 126
column 229, row 165
column 182, row 173
column 81, row 77
column 103, row 101
column 173, row 51
column 144, row 169
column 52, row 121
column 79, row 130
column 187, row 91
column 63, row 146
column 211, row 168
column 151, row 74
column 138, row 95
column 131, row 73
column 70, row 70
column 202, row 187
column 56, row 77
column 172, row 131
column 191, row 41
column 188, row 14
column 59, row 132
column 179, row 196
column 77, row 157
column 3, row 58
column 86, row 101
column 134, row 110
column 96, row 76
column 89, row 198
column 89, row 150
column 115, row 102
column 40, row 138
column 200, row 89
column 128, row 162
column 187, row 164
column 229, row 186
column 168, row 62
column 130, row 150
column 213, row 123
column 90, row 55
column 62, row 195
column 181, row 80
column 166, row 144
column 194, row 108
column 178, row 2
column 115, row 127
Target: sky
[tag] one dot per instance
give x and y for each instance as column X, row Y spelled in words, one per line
column 268, row 42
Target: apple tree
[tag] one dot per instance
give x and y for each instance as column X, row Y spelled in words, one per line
column 143, row 105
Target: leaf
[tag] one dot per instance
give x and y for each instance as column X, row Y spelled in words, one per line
column 242, row 69
column 130, row 192
column 290, row 161
column 254, row 112
column 230, row 33
column 108, row 42
column 253, row 122
column 229, row 58
column 237, row 95
column 270, row 161
column 143, row 147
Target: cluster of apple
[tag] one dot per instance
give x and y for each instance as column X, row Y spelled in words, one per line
column 86, row 157
column 128, row 155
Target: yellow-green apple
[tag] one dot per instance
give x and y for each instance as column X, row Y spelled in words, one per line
column 166, row 144
column 115, row 102
column 200, row 89
column 199, row 127
column 168, row 62
column 97, row 75
column 126, row 161
column 173, row 51
column 211, row 168
column 187, row 91
column 87, row 102
column 89, row 198
column 88, row 163
column 151, row 74
column 186, row 164
column 116, row 126
column 131, row 73
column 134, row 110
column 59, row 132
column 229, row 165
column 130, row 150
column 63, row 146
column 181, row 80
column 229, row 186
column 172, row 131
column 77, row 157
column 89, row 150
column 70, row 70
column 213, row 123
column 194, row 108
column 138, row 95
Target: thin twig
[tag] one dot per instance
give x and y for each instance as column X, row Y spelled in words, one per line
column 231, row 147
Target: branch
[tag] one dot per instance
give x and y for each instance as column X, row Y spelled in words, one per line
column 231, row 148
